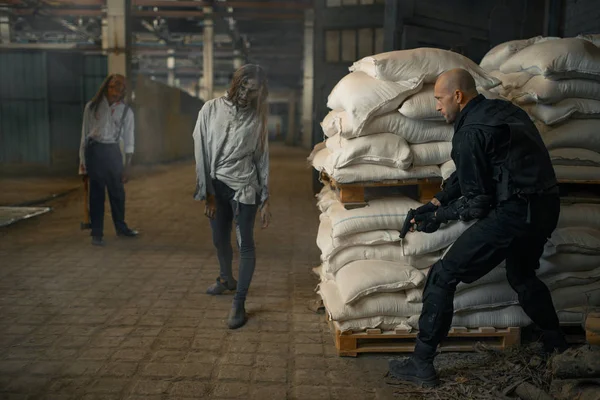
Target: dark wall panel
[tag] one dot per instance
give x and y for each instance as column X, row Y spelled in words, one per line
column 581, row 16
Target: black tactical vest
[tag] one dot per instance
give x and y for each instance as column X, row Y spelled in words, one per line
column 526, row 168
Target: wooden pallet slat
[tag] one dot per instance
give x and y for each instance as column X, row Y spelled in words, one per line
column 354, row 193
column 401, row 341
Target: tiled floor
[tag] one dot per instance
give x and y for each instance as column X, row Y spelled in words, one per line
column 131, row 320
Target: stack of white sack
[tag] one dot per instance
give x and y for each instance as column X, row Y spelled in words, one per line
column 570, row 267
column 384, row 125
column 557, row 81
column 369, row 278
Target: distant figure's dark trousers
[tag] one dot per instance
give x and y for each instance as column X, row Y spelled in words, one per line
column 104, row 165
column 508, row 233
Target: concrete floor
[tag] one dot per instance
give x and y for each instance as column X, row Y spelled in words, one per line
column 131, row 320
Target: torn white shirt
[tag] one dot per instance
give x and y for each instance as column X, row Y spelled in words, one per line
column 227, row 148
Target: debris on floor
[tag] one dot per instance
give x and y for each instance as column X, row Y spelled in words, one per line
column 10, row 215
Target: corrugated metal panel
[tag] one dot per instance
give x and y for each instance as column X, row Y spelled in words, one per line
column 95, row 70
column 24, row 124
column 65, row 92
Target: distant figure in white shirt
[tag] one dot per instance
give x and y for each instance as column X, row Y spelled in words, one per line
column 232, row 177
column 106, row 121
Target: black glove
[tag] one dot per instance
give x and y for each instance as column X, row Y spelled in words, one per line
column 426, row 208
column 427, row 222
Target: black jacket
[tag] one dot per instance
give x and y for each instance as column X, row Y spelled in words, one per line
column 499, row 154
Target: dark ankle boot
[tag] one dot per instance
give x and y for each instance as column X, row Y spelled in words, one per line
column 555, row 341
column 221, row 286
column 418, row 368
column 237, row 315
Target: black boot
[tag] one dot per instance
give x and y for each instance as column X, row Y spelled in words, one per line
column 237, row 315
column 555, row 341
column 418, row 368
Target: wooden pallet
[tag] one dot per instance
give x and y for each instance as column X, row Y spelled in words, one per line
column 349, row 344
column 579, row 191
column 592, row 328
column 354, row 193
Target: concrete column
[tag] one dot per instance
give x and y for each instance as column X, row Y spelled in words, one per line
column 171, row 68
column 5, row 29
column 291, row 133
column 208, row 56
column 308, row 91
column 116, row 36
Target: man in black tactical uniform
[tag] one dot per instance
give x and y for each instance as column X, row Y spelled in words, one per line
column 504, row 178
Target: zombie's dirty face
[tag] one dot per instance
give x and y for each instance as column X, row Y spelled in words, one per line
column 248, row 92
column 116, row 89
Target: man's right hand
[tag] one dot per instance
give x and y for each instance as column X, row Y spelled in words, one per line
column 429, row 207
column 210, row 206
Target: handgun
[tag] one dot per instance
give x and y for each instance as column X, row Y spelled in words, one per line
column 407, row 224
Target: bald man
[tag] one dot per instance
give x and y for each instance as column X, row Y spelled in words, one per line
column 504, row 179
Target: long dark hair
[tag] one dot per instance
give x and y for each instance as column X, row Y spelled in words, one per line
column 253, row 71
column 95, row 102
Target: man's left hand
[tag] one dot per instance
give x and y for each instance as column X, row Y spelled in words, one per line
column 427, row 222
column 265, row 215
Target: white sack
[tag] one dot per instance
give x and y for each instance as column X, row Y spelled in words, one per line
column 591, row 37
column 583, row 134
column 362, row 278
column 389, row 304
column 380, row 149
column 499, row 54
column 385, row 252
column 363, row 97
column 512, row 316
column 575, row 156
column 552, row 114
column 569, row 58
column 576, row 173
column 545, row 91
column 426, row 63
column 414, row 131
column 382, row 322
column 330, row 246
column 577, row 296
column 579, row 215
column 496, row 275
column 322, row 161
column 578, row 240
column 331, row 124
column 488, row 296
column 325, row 198
column 567, row 263
column 570, row 279
column 421, row 105
column 388, row 214
column 509, row 82
column 433, row 153
column 447, row 169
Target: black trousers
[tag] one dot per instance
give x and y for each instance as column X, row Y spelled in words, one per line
column 104, row 165
column 515, row 231
column 230, row 211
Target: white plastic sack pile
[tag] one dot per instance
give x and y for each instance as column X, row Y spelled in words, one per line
column 557, row 82
column 423, row 63
column 502, row 52
column 321, row 159
column 569, row 58
column 381, row 149
column 363, row 97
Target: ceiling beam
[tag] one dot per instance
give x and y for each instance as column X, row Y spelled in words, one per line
column 87, row 12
